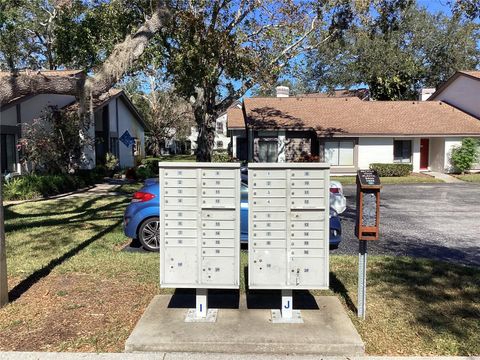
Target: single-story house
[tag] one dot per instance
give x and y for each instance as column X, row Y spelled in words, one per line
column 114, row 114
column 351, row 134
column 237, row 132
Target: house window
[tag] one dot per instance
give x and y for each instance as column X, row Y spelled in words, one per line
column 339, row 152
column 8, row 151
column 219, row 127
column 267, row 150
column 114, row 146
column 402, row 151
column 220, row 144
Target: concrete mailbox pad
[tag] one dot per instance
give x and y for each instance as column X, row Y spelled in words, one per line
column 327, row 330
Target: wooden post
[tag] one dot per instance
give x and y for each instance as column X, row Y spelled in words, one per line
column 3, row 254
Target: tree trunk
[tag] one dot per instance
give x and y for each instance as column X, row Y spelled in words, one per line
column 206, row 136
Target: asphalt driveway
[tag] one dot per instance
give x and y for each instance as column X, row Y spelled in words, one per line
column 437, row 221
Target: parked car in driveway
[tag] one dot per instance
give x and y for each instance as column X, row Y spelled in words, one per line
column 141, row 217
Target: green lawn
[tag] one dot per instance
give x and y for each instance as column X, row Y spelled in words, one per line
column 169, row 158
column 470, row 177
column 75, row 290
column 411, row 179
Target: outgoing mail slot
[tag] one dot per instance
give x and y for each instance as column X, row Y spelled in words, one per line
column 269, row 244
column 182, row 183
column 216, row 243
column 308, row 215
column 218, row 234
column 180, row 173
column 269, row 201
column 180, row 242
column 268, row 234
column 180, row 214
column 307, row 203
column 181, row 192
column 269, row 225
column 307, row 244
column 270, row 174
column 218, row 214
column 217, row 251
column 218, row 183
column 181, row 233
column 307, row 225
column 218, row 173
column 306, row 183
column 306, row 234
column 218, row 202
column 307, row 252
column 218, row 224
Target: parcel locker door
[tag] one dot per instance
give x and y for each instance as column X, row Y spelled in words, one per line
column 307, row 272
column 181, row 265
column 218, row 270
column 269, row 267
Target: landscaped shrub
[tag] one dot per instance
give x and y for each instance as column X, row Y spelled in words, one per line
column 35, row 186
column 152, row 165
column 145, row 172
column 392, row 169
column 463, row 157
column 221, row 156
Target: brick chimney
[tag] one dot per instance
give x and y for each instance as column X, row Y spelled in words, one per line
column 282, row 91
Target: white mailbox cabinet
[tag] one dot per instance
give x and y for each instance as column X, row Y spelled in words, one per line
column 199, row 225
column 288, row 225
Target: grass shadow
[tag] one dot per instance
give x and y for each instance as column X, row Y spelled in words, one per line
column 33, row 278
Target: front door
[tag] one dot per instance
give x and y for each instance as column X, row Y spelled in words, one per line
column 424, row 145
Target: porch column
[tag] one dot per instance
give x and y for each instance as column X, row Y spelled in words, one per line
column 416, row 154
column 281, row 146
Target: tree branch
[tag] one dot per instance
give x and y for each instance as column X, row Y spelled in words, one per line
column 123, row 56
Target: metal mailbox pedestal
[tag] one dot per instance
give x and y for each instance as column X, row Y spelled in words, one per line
column 200, row 230
column 288, row 230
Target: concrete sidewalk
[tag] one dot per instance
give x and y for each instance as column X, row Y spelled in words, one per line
column 445, row 177
column 203, row 356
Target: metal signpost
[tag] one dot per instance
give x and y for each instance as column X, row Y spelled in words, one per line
column 289, row 230
column 366, row 228
column 200, row 230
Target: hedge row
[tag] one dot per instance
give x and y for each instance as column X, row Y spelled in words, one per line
column 392, row 169
column 35, row 186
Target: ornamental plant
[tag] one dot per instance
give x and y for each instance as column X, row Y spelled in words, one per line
column 463, row 157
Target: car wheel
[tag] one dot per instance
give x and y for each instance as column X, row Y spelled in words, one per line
column 149, row 234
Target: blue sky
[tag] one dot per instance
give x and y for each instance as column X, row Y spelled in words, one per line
column 436, row 6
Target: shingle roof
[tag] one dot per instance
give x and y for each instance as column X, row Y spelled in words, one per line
column 351, row 116
column 235, row 119
column 473, row 73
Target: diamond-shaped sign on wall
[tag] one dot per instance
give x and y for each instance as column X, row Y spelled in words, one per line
column 127, row 139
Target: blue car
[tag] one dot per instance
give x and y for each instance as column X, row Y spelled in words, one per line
column 141, row 218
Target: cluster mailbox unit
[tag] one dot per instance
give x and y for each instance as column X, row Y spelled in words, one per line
column 288, row 230
column 200, row 229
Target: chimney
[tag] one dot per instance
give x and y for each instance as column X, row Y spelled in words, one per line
column 425, row 93
column 282, row 91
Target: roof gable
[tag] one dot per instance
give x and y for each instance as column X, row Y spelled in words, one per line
column 472, row 74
